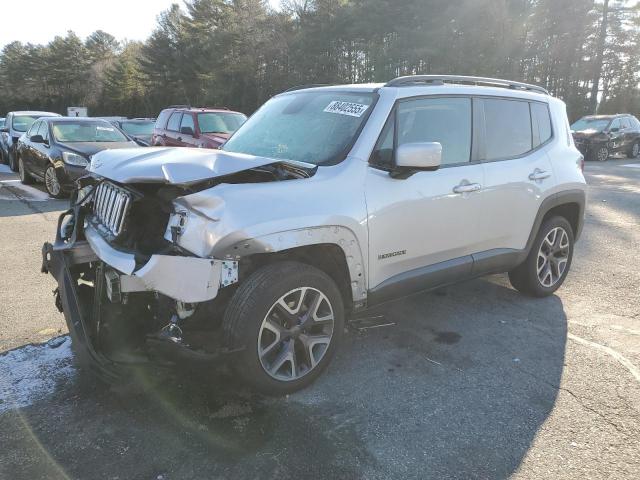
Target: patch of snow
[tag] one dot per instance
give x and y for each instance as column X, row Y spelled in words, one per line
column 32, row 372
column 5, row 169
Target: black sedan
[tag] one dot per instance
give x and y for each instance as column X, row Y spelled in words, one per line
column 598, row 136
column 58, row 150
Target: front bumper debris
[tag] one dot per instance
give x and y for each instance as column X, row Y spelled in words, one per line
column 184, row 279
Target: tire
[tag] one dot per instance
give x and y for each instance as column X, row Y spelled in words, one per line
column 254, row 315
column 532, row 278
column 600, row 153
column 13, row 165
column 634, row 151
column 25, row 177
column 50, row 181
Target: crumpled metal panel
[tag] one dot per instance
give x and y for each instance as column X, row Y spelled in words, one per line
column 180, row 166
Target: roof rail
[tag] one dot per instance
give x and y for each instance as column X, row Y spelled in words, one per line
column 179, row 106
column 442, row 79
column 302, row 87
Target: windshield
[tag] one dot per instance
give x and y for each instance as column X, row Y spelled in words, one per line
column 312, row 127
column 22, row 123
column 220, row 122
column 596, row 124
column 138, row 128
column 87, row 132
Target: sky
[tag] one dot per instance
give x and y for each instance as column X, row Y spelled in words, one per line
column 44, row 19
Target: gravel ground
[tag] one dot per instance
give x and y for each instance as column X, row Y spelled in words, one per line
column 472, row 381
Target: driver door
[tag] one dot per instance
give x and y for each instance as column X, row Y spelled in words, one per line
column 424, row 228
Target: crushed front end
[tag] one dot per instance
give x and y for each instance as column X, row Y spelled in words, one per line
column 129, row 294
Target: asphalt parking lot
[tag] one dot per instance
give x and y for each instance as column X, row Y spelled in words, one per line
column 472, row 381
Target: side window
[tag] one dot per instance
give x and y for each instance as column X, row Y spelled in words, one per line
column 625, row 122
column 443, row 120
column 187, row 121
column 541, row 123
column 44, row 130
column 507, row 127
column 615, row 124
column 383, row 153
column 33, row 130
column 634, row 122
column 174, row 121
column 161, row 122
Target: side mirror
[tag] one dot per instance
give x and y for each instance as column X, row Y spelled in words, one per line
column 4, row 130
column 614, row 129
column 36, row 139
column 186, row 131
column 412, row 157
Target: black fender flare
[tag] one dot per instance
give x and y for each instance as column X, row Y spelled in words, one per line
column 574, row 196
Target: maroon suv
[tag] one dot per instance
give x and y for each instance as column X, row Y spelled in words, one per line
column 184, row 126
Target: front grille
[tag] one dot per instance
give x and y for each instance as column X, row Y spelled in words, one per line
column 110, row 206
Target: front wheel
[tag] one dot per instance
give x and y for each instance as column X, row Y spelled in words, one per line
column 634, row 151
column 51, row 183
column 287, row 318
column 548, row 262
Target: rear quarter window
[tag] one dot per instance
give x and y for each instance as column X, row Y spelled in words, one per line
column 174, row 121
column 161, row 122
column 541, row 123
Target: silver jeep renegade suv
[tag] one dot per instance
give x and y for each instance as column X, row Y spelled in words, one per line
column 326, row 201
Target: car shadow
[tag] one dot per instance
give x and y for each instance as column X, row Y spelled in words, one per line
column 451, row 384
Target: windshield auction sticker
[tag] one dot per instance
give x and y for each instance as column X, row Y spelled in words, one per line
column 346, row 108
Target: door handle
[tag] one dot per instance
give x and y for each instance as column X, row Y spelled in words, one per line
column 466, row 187
column 179, row 139
column 538, row 174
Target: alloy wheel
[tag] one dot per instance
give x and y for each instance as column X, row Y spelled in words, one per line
column 635, row 150
column 295, row 334
column 603, row 154
column 553, row 257
column 51, row 182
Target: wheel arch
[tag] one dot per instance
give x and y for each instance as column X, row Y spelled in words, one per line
column 333, row 249
column 569, row 204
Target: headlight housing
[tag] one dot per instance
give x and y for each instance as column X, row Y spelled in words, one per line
column 71, row 158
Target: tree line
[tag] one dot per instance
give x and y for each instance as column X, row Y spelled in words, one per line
column 238, row 53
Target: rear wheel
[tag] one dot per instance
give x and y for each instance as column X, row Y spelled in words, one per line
column 13, row 165
column 51, row 183
column 25, row 178
column 548, row 262
column 288, row 320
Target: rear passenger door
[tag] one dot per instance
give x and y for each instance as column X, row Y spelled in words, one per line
column 173, row 130
column 186, row 139
column 515, row 136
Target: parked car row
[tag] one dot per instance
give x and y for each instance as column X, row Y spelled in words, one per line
column 44, row 146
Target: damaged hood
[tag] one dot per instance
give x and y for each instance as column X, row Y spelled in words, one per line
column 170, row 165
